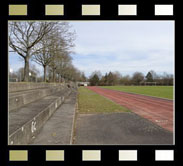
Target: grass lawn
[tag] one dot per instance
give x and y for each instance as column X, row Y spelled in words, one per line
column 157, row 91
column 91, row 102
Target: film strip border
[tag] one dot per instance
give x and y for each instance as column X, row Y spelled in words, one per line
column 97, row 10
column 90, row 155
column 63, row 10
column 91, row 10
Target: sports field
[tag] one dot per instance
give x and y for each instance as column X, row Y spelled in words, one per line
column 157, row 91
column 91, row 102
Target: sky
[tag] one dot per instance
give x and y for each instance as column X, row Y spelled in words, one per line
column 124, row 46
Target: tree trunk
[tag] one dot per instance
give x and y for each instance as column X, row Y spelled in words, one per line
column 26, row 69
column 44, row 73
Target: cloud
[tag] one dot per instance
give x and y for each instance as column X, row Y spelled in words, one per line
column 158, row 60
column 104, row 37
column 125, row 46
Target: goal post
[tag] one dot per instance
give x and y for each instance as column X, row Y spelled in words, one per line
column 148, row 83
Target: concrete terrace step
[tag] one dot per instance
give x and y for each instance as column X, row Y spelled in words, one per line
column 26, row 122
column 21, row 98
column 23, row 86
column 58, row 129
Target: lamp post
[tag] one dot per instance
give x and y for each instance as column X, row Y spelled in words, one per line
column 30, row 76
column 11, row 72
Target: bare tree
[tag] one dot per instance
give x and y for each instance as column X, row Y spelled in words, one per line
column 53, row 65
column 96, row 72
column 44, row 56
column 55, row 48
column 125, row 80
column 64, row 65
column 23, row 37
column 58, row 59
column 137, row 78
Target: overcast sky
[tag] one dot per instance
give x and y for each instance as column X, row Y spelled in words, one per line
column 124, row 46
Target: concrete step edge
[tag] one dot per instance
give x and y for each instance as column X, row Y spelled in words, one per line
column 20, row 100
column 25, row 134
column 22, row 86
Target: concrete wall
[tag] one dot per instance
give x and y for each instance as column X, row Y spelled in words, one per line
column 22, row 86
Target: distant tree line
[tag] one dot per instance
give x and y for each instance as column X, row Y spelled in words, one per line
column 138, row 78
column 49, row 44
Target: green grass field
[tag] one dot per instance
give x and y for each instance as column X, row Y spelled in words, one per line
column 157, row 91
column 90, row 102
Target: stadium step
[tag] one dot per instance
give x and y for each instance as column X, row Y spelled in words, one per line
column 23, row 86
column 21, row 98
column 26, row 121
column 58, row 130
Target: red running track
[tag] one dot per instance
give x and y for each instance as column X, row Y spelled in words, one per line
column 157, row 110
